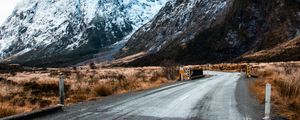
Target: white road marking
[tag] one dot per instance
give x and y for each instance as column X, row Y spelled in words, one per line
column 184, row 97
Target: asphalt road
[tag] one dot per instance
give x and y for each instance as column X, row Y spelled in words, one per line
column 224, row 96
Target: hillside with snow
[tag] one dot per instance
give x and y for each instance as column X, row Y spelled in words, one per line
column 216, row 31
column 64, row 30
column 76, row 32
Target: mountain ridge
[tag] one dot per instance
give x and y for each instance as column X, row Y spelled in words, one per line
column 249, row 27
column 67, row 30
column 181, row 31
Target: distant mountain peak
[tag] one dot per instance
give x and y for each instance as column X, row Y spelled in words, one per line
column 47, row 28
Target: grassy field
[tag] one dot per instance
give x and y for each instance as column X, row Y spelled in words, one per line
column 25, row 91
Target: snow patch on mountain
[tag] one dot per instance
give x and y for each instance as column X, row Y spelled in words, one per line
column 65, row 25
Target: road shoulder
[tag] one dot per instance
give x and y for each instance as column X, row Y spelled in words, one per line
column 246, row 101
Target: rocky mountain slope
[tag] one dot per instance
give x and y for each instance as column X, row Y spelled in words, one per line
column 211, row 31
column 52, row 32
column 65, row 32
column 287, row 51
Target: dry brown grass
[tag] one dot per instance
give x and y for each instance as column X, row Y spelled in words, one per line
column 228, row 67
column 28, row 91
column 6, row 111
column 286, row 51
column 285, row 80
column 104, row 90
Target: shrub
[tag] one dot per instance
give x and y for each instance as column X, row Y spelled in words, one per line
column 13, row 73
column 53, row 73
column 66, row 73
column 33, row 100
column 288, row 88
column 79, row 76
column 92, row 65
column 266, row 73
column 19, row 101
column 170, row 69
column 141, row 75
column 44, row 103
column 104, row 90
column 74, row 68
column 6, row 111
column 128, row 85
column 171, row 72
column 154, row 76
column 43, row 88
column 112, row 75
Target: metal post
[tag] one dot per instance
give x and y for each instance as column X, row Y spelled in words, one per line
column 248, row 71
column 190, row 73
column 267, row 102
column 181, row 72
column 61, row 90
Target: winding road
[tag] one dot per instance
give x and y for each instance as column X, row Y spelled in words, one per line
column 223, row 96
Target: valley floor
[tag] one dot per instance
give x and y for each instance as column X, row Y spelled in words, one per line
column 25, row 91
column 214, row 98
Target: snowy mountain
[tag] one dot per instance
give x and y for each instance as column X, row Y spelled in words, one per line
column 177, row 24
column 67, row 32
column 214, row 31
column 56, row 31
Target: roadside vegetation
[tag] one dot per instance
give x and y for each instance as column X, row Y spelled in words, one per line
column 227, row 67
column 285, row 80
column 6, row 111
column 24, row 91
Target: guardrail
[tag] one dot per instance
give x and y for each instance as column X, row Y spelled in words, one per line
column 187, row 73
column 197, row 74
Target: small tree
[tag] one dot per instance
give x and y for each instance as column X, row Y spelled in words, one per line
column 170, row 69
column 93, row 65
